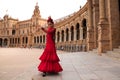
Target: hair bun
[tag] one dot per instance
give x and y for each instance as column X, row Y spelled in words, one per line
column 50, row 19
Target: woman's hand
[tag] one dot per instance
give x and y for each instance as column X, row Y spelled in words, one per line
column 42, row 28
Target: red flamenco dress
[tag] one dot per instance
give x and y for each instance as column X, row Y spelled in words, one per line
column 49, row 59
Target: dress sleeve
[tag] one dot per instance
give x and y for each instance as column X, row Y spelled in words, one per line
column 44, row 30
column 49, row 31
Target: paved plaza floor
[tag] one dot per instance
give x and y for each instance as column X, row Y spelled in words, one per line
column 21, row 64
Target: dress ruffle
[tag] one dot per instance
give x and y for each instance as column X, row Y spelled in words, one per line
column 49, row 55
column 49, row 67
column 49, row 62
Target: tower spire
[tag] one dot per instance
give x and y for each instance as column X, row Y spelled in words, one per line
column 36, row 11
column 36, row 3
column 7, row 12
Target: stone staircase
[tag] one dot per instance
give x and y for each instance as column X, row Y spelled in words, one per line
column 115, row 53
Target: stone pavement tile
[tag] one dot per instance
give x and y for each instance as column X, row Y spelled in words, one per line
column 106, row 75
column 48, row 77
column 90, row 76
column 70, row 75
column 68, row 67
column 55, row 76
column 76, row 66
column 114, row 70
column 84, row 71
column 26, row 75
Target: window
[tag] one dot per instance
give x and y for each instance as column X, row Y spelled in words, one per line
column 13, row 32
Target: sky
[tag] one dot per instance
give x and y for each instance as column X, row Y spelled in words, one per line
column 23, row 9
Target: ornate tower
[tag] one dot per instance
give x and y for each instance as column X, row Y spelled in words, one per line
column 36, row 15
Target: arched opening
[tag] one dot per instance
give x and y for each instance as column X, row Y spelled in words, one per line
column 13, row 32
column 15, row 40
column 43, row 38
column 58, row 36
column 84, row 28
column 18, row 40
column 26, row 40
column 62, row 36
column 77, row 32
column 0, row 42
column 23, row 40
column 5, row 42
column 67, row 34
column 72, row 33
column 40, row 39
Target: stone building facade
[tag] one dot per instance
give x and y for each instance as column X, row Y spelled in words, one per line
column 15, row 33
column 94, row 26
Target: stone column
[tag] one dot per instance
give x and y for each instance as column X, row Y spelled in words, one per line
column 103, row 30
column 69, row 47
column 75, row 38
column 25, row 40
column 60, row 37
column 64, row 36
column 81, row 33
column 114, row 22
column 11, row 42
column 56, row 37
column 30, row 40
column 95, row 21
column 102, row 10
column 75, row 34
column 90, row 30
column 69, row 35
column 21, row 39
column 8, row 42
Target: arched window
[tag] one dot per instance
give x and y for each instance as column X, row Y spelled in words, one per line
column 13, row 32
